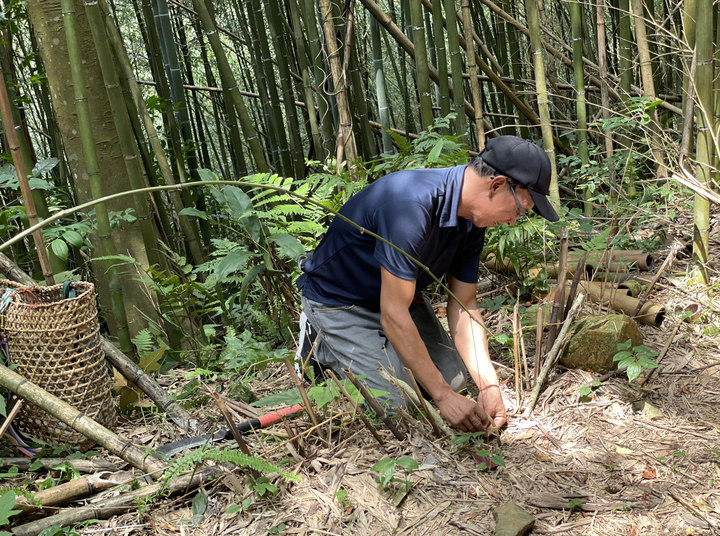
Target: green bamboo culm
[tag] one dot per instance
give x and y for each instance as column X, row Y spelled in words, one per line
column 421, row 64
column 577, row 46
column 626, row 79
column 125, row 133
column 93, row 170
column 704, row 143
column 118, row 45
column 456, row 68
column 307, row 84
column 533, row 18
column 228, row 80
column 472, row 69
column 380, row 87
column 441, row 52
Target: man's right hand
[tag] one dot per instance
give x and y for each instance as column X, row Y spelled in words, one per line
column 464, row 414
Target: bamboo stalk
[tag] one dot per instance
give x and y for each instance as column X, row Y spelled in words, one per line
column 81, row 466
column 79, row 422
column 538, row 342
column 665, row 266
column 456, row 68
column 558, row 303
column 93, row 170
column 22, row 174
column 356, row 407
column 472, row 69
column 423, row 404
column 434, row 415
column 119, row 504
column 421, row 64
column 554, row 353
column 70, row 491
column 377, row 408
column 516, row 354
column 303, row 394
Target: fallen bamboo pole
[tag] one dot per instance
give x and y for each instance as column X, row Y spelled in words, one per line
column 79, row 422
column 118, row 505
column 81, row 466
column 127, row 368
column 70, row 491
column 554, row 353
column 665, row 266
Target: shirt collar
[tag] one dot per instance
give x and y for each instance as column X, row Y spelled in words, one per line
column 451, row 197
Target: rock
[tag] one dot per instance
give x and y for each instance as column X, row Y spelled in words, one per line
column 594, row 339
column 651, row 412
column 511, row 520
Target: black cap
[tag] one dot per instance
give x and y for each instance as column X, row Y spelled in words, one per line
column 525, row 163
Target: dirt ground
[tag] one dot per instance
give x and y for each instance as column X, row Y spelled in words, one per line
column 598, row 467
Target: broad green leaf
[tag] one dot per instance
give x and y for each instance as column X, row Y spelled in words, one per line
column 192, row 211
column 585, row 391
column 232, row 509
column 633, row 371
column 207, row 175
column 3, row 408
column 199, row 504
column 238, row 201
column 625, row 345
column 252, row 226
column 59, row 248
column 407, row 463
column 39, row 184
column 386, row 470
column 7, row 501
column 234, row 261
column 288, row 244
column 45, row 165
column 498, row 460
column 435, row 153
column 151, row 362
column 289, row 398
column 74, row 238
column 621, row 355
column 323, row 394
column 484, row 453
column 249, row 278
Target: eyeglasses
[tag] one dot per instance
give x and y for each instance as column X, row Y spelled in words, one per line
column 522, row 215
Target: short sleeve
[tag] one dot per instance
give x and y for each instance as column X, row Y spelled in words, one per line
column 405, row 227
column 465, row 265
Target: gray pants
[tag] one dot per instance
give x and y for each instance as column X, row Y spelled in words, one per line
column 352, row 337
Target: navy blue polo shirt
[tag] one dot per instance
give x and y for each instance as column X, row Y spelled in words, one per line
column 416, row 210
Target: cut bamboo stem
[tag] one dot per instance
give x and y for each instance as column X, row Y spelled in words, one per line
column 538, row 342
column 516, row 354
column 554, row 353
column 118, row 505
column 13, row 412
column 81, row 466
column 79, row 422
column 303, row 394
column 70, row 491
column 434, row 415
column 416, row 387
column 558, row 303
column 377, row 408
column 358, row 410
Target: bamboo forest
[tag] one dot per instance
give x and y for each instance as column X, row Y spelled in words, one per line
column 184, row 182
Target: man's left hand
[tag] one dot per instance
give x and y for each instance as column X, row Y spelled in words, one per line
column 490, row 399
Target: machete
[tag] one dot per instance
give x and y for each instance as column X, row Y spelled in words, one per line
column 171, row 449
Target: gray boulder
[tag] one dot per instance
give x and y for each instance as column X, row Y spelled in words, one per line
column 594, row 339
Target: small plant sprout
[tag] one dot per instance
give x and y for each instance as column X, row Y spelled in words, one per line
column 386, row 470
column 489, row 460
column 587, row 390
column 573, row 504
column 634, row 359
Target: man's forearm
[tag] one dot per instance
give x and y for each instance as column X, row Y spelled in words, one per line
column 403, row 334
column 471, row 342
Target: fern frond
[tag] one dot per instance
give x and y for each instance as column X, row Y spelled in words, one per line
column 143, row 342
column 197, row 457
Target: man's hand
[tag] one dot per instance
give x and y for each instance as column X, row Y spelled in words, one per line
column 490, row 399
column 463, row 413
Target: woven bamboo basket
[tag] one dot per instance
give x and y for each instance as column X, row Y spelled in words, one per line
column 55, row 344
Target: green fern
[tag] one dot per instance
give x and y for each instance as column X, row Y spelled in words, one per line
column 197, row 457
column 144, row 342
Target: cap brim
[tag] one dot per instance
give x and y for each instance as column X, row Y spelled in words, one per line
column 543, row 206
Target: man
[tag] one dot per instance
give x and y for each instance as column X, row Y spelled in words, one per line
column 363, row 296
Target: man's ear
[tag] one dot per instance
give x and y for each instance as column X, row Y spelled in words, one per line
column 497, row 182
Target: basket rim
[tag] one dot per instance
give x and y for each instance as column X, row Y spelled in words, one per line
column 85, row 292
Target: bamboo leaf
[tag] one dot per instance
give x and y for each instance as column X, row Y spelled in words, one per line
column 249, row 278
column 435, row 153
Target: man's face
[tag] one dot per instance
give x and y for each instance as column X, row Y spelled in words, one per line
column 499, row 205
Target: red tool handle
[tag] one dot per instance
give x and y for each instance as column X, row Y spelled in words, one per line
column 275, row 416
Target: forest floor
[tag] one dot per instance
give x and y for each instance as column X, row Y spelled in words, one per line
column 631, row 474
